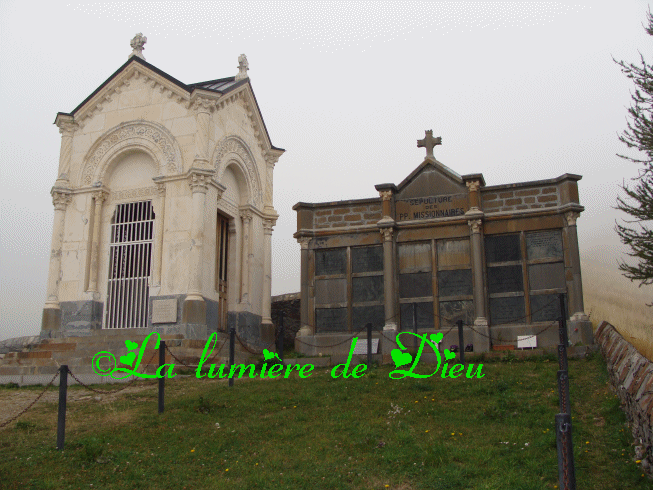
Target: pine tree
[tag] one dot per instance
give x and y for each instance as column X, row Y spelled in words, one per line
column 637, row 233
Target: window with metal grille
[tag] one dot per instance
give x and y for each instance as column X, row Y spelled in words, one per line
column 130, row 258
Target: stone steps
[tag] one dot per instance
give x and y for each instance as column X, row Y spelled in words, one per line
column 78, row 352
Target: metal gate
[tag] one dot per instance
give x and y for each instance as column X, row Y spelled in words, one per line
column 130, row 258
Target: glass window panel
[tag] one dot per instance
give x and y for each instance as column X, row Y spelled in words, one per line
column 329, row 291
column 452, row 311
column 417, row 285
column 330, row 320
column 414, row 257
column 369, row 288
column 453, row 253
column 424, row 313
column 507, row 310
column 455, row 282
column 367, row 259
column 330, row 262
column 505, row 279
column 545, row 307
column 362, row 315
column 502, row 248
column 546, row 276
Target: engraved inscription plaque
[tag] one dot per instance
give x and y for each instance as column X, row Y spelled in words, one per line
column 367, row 259
column 164, row 310
column 544, row 244
column 361, row 346
column 455, row 282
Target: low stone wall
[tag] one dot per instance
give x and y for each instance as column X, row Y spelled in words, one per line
column 631, row 375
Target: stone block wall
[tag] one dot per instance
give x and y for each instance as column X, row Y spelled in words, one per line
column 631, row 375
column 347, row 214
column 496, row 199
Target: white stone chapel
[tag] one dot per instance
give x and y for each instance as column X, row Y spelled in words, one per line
column 163, row 208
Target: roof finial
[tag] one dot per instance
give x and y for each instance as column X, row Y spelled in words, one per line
column 429, row 142
column 243, row 66
column 137, row 44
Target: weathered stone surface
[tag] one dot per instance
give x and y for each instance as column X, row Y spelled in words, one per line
column 631, row 375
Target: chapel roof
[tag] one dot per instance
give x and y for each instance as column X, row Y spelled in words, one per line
column 220, row 86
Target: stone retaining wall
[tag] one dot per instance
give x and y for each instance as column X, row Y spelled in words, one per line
column 631, row 375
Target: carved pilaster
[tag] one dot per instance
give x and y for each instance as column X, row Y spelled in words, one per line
column 160, row 227
column 474, row 199
column 99, row 198
column 60, row 199
column 246, row 217
column 202, row 107
column 67, row 128
column 304, row 241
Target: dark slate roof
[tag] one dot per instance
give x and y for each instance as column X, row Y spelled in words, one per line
column 221, row 85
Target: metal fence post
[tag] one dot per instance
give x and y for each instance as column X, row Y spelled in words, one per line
column 281, row 334
column 461, row 342
column 61, row 420
column 369, row 345
column 232, row 338
column 415, row 326
column 566, row 472
column 162, row 361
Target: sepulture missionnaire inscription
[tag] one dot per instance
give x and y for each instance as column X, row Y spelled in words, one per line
column 430, row 207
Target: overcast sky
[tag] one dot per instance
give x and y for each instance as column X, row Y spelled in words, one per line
column 518, row 91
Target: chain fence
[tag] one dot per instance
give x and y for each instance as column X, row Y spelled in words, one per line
column 11, row 419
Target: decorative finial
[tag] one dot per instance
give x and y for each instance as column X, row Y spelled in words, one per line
column 429, row 142
column 137, row 45
column 243, row 66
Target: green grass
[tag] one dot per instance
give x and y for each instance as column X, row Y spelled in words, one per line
column 323, row 433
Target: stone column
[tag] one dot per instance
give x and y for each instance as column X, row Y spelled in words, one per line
column 100, row 197
column 51, row 319
column 390, row 307
column 246, row 216
column 67, row 128
column 271, row 158
column 579, row 326
column 267, row 278
column 305, row 329
column 160, row 230
column 194, row 311
column 482, row 331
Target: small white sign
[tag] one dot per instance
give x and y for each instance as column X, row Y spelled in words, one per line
column 526, row 341
column 361, row 346
column 164, row 311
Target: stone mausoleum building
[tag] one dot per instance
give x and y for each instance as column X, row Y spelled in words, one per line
column 163, row 208
column 441, row 247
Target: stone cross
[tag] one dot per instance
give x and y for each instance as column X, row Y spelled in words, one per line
column 243, row 66
column 137, row 44
column 429, row 142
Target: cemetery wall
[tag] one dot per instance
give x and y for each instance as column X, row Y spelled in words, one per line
column 631, row 375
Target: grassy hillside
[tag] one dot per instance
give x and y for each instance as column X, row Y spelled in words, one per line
column 492, row 433
column 611, row 297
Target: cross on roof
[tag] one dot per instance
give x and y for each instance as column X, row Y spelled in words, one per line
column 429, row 142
